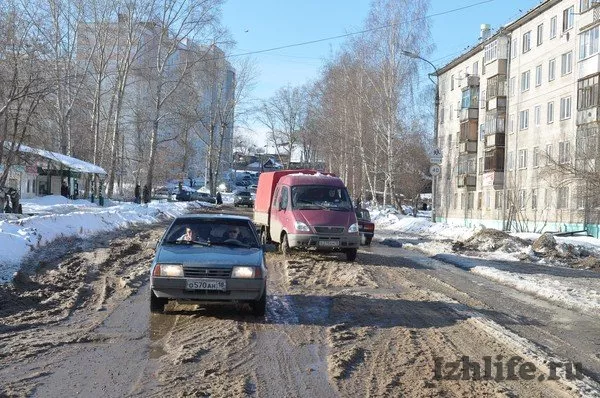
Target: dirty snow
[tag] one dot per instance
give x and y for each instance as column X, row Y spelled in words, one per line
column 50, row 217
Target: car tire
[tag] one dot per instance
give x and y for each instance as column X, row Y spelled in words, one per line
column 157, row 304
column 285, row 245
column 259, row 307
column 351, row 254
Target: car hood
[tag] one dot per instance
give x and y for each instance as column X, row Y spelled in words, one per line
column 214, row 256
column 326, row 217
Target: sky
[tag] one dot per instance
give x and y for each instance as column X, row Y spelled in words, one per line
column 264, row 24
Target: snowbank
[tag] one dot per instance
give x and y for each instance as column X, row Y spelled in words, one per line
column 56, row 216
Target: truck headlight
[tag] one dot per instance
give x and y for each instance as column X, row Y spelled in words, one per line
column 353, row 228
column 169, row 270
column 302, row 227
column 243, row 272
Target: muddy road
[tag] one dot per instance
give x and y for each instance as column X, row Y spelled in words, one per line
column 76, row 322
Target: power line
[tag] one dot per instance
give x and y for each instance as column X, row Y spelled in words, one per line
column 355, row 33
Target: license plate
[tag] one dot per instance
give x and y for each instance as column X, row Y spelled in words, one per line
column 329, row 243
column 205, row 284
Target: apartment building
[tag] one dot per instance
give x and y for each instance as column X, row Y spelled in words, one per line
column 518, row 123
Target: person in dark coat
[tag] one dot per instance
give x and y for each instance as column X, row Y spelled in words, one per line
column 14, row 201
column 137, row 194
column 64, row 189
column 219, row 198
column 146, row 194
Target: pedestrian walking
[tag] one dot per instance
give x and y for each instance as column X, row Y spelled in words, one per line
column 137, row 194
column 219, row 198
column 146, row 194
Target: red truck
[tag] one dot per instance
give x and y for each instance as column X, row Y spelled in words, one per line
column 308, row 210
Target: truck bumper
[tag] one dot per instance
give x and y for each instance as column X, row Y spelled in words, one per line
column 331, row 242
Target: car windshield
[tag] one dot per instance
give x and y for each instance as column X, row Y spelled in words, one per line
column 307, row 197
column 363, row 214
column 212, row 231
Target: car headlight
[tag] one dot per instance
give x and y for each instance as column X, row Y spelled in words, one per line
column 353, row 228
column 169, row 270
column 243, row 272
column 302, row 227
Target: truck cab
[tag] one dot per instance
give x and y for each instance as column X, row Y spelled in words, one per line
column 309, row 211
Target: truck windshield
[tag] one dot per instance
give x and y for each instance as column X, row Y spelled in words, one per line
column 316, row 197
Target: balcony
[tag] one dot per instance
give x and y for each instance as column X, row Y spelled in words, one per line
column 493, row 179
column 469, row 114
column 473, row 81
column 589, row 115
column 497, row 67
column 496, row 103
column 468, row 181
column 467, row 147
column 468, row 131
column 493, row 140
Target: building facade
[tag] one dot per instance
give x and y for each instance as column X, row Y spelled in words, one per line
column 518, row 123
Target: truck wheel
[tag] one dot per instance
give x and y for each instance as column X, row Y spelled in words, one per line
column 157, row 304
column 351, row 254
column 285, row 245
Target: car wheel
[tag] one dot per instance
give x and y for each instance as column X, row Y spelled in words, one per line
column 351, row 254
column 157, row 304
column 285, row 245
column 259, row 307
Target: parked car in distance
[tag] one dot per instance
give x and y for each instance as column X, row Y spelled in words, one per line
column 206, row 197
column 243, row 198
column 209, row 258
column 365, row 226
column 163, row 193
column 187, row 196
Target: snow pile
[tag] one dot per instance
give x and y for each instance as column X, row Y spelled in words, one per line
column 390, row 219
column 569, row 292
column 489, row 240
column 60, row 217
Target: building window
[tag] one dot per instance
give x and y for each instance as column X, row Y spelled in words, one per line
column 536, row 156
column 441, row 116
column 538, row 75
column 564, row 152
column 568, row 18
column 581, row 198
column 522, row 198
column 455, row 200
column 498, row 200
column 511, row 123
column 470, row 200
column 537, row 115
column 588, row 42
column 534, row 199
column 482, row 100
column 587, row 92
column 491, row 52
column 548, row 153
column 566, row 64
column 522, row 158
column 565, row 108
column 552, row 27
column 488, row 198
column 514, row 48
column 476, row 68
column 526, row 42
column 494, row 160
column 584, row 5
column 525, row 81
column 480, row 165
column 540, row 34
column 550, row 113
column 551, row 69
column 524, row 119
column 562, row 198
column 462, row 201
column 511, row 85
column 451, row 82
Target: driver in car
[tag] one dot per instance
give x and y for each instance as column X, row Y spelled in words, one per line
column 188, row 235
column 233, row 233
